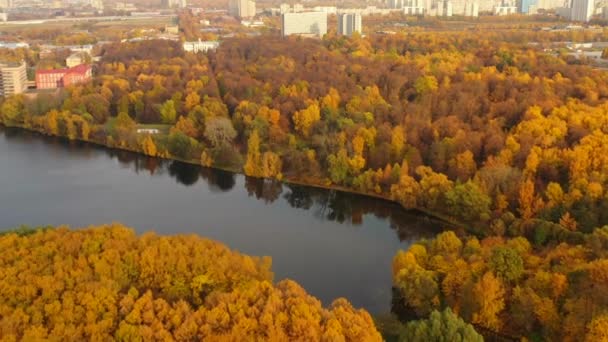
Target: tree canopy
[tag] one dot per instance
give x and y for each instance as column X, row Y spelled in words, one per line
column 106, row 283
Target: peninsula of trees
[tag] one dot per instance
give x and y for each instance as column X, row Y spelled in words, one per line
column 105, row 283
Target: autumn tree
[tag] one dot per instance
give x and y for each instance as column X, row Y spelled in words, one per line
column 440, row 326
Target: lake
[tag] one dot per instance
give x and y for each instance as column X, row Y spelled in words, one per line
column 334, row 244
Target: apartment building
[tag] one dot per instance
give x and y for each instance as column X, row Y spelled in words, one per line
column 13, row 78
column 312, row 24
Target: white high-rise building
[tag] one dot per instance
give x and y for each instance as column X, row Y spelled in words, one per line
column 304, row 23
column 471, row 8
column 349, row 24
column 175, row 3
column 582, row 10
column 444, row 8
column 13, row 78
column 97, row 4
column 466, row 8
column 411, row 7
column 241, row 8
column 505, row 10
column 488, row 5
column 550, row 4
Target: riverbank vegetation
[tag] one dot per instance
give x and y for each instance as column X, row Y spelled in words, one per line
column 558, row 292
column 105, row 282
column 458, row 124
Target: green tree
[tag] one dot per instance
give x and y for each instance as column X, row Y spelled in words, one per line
column 468, row 202
column 123, row 120
column 168, row 113
column 338, row 167
column 219, row 131
column 425, row 84
column 442, row 326
column 253, row 165
column 97, row 106
column 11, row 111
column 506, row 263
column 180, row 145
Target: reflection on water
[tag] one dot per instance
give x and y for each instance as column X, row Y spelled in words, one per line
column 330, row 205
column 333, row 243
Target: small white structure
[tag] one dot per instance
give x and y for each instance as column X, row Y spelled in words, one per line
column 252, row 23
column 148, row 131
column 88, row 48
column 578, row 46
column 12, row 46
column 172, row 29
column 201, row 46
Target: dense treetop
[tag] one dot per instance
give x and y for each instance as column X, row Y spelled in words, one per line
column 104, row 283
column 558, row 292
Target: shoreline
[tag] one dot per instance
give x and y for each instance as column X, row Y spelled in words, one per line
column 448, row 223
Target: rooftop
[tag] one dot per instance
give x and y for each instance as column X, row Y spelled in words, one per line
column 79, row 69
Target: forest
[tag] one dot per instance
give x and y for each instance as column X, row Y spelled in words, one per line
column 105, row 283
column 484, row 129
column 507, row 286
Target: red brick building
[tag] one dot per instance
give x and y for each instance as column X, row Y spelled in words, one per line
column 59, row 78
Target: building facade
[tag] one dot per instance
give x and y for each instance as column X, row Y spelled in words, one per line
column 581, row 10
column 13, row 78
column 75, row 59
column 505, row 10
column 349, row 24
column 241, row 8
column 471, row 9
column 444, row 8
column 524, row 6
column 6, row 4
column 304, row 23
column 97, row 4
column 175, row 3
column 59, row 78
column 411, row 7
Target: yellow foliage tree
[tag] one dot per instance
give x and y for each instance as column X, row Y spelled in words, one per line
column 305, row 118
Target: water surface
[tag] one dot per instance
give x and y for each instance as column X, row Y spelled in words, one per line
column 334, row 244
